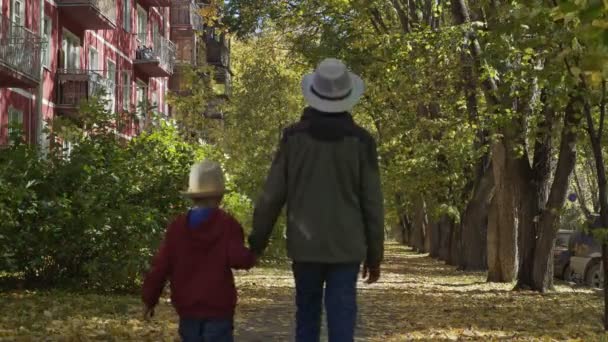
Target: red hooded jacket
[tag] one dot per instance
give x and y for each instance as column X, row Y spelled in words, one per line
column 198, row 263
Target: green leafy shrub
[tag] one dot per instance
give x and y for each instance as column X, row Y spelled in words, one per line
column 92, row 219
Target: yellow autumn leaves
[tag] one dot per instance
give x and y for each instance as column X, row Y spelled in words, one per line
column 417, row 299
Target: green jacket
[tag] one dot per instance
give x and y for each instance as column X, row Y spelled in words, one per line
column 326, row 171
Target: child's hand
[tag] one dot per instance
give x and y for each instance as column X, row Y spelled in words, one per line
column 148, row 313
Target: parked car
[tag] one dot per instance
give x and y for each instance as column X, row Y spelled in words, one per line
column 561, row 254
column 585, row 266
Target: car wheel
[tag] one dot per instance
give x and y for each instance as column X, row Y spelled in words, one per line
column 594, row 277
column 568, row 274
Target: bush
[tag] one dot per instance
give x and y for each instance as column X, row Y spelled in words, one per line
column 92, row 219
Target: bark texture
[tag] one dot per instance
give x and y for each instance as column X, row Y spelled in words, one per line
column 502, row 222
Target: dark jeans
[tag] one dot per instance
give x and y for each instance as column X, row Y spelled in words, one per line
column 340, row 282
column 196, row 330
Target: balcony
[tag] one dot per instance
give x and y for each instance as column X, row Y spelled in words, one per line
column 217, row 49
column 19, row 56
column 214, row 109
column 185, row 16
column 74, row 86
column 155, row 3
column 222, row 75
column 155, row 59
column 90, row 14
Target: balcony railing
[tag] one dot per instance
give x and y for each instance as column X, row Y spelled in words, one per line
column 90, row 14
column 76, row 85
column 19, row 55
column 185, row 15
column 155, row 3
column 156, row 58
column 217, row 50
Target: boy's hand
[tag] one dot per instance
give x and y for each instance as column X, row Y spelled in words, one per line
column 148, row 313
column 371, row 274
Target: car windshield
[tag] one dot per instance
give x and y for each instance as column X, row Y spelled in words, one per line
column 562, row 240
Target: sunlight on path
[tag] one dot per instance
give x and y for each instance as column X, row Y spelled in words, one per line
column 417, row 299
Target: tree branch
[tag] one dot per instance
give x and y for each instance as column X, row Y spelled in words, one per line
column 378, row 17
column 600, row 131
column 403, row 17
column 590, row 125
column 581, row 195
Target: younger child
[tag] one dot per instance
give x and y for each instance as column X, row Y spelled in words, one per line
column 197, row 254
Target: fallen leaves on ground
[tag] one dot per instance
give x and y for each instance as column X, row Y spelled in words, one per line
column 417, row 299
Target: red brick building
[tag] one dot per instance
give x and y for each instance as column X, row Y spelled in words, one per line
column 55, row 53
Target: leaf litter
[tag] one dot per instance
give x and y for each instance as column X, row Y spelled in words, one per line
column 417, row 299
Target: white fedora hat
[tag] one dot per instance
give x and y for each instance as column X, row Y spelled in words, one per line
column 332, row 88
column 206, row 180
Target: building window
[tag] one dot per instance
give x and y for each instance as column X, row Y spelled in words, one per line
column 15, row 124
column 46, row 35
column 154, row 103
column 111, row 76
column 71, row 51
column 142, row 104
column 184, row 54
column 142, row 24
column 126, row 90
column 93, row 59
column 67, row 148
column 155, row 34
column 18, row 12
column 126, row 19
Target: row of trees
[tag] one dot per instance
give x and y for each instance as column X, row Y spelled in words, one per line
column 479, row 108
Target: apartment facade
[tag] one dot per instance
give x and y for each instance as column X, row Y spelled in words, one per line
column 198, row 45
column 55, row 53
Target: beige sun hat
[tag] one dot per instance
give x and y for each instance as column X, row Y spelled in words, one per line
column 206, row 180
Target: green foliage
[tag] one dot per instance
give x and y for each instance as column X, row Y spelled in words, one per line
column 91, row 219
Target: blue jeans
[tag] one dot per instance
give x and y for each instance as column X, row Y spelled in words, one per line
column 197, row 330
column 340, row 281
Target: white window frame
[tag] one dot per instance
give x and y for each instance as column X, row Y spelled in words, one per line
column 71, row 47
column 155, row 33
column 18, row 17
column 111, row 77
column 142, row 98
column 67, row 147
column 14, row 116
column 154, row 101
column 93, row 58
column 142, row 24
column 126, row 90
column 47, row 32
column 126, row 15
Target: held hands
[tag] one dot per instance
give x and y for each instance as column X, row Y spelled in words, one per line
column 371, row 274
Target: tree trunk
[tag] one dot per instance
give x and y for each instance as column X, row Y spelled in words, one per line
column 446, row 237
column 474, row 229
column 534, row 191
column 435, row 237
column 527, row 230
column 547, row 228
column 502, row 222
column 420, row 225
column 581, row 195
column 428, row 233
column 455, row 238
column 605, row 266
column 405, row 226
column 602, row 184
